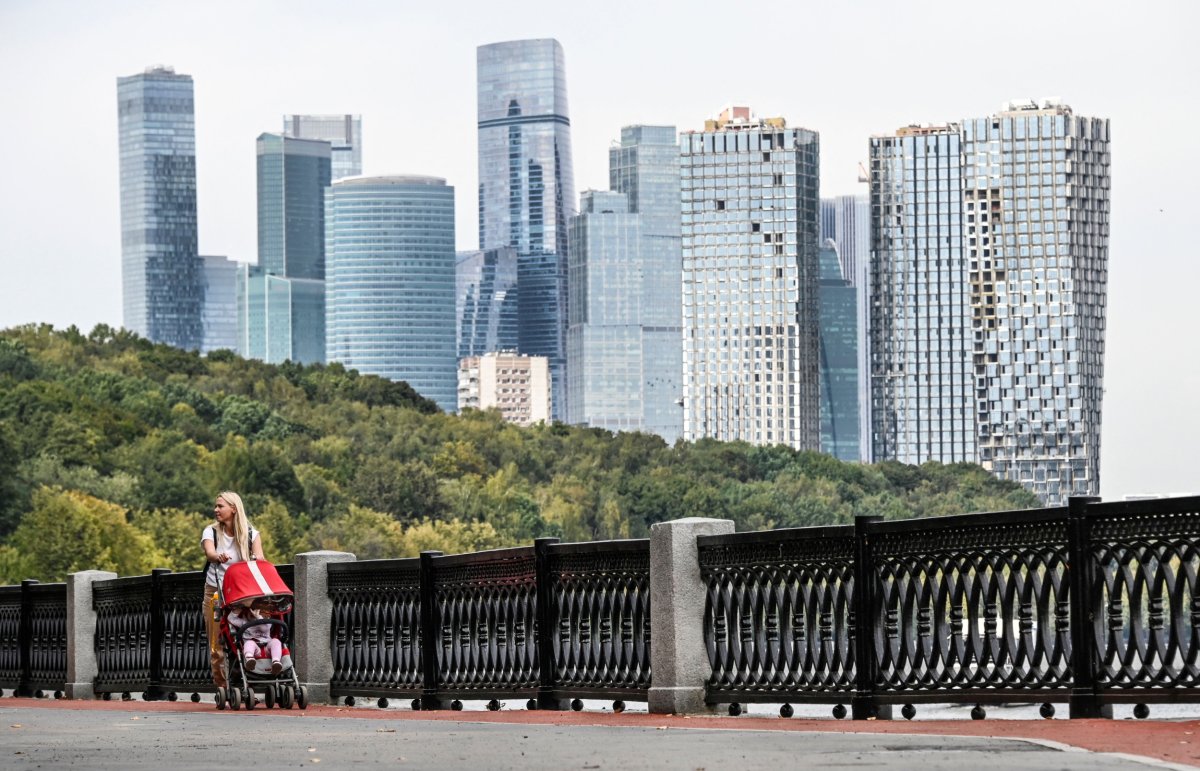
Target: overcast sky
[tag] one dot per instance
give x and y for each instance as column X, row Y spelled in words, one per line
column 846, row 69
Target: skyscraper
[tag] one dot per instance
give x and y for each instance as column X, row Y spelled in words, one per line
column 220, row 310
column 997, row 230
column 526, row 186
column 624, row 357
column 161, row 271
column 287, row 284
column 485, row 301
column 749, row 191
column 839, row 358
column 390, row 281
column 342, row 132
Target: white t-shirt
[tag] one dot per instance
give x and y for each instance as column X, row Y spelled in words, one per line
column 215, row 574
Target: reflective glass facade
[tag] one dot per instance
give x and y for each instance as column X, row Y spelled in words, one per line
column 342, row 132
column 839, row 358
column 624, row 356
column 389, row 277
column 997, row 226
column 220, row 311
column 161, row 271
column 750, row 211
column 921, row 313
column 486, row 301
column 527, row 187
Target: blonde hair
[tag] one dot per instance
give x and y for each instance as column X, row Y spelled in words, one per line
column 241, row 526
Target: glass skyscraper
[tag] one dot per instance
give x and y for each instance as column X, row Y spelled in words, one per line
column 624, row 355
column 839, row 358
column 389, row 281
column 220, row 310
column 486, row 301
column 342, row 132
column 996, row 231
column 750, row 208
column 287, row 283
column 526, row 186
column 161, row 271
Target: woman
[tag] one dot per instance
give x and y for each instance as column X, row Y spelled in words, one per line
column 225, row 541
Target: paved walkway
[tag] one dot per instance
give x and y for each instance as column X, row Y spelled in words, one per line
column 44, row 733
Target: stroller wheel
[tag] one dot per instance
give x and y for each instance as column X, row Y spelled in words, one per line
column 235, row 698
column 221, row 697
column 285, row 697
column 269, row 697
column 302, row 697
column 250, row 700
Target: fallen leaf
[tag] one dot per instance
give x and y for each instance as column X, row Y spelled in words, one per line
column 16, row 725
column 662, row 728
column 315, row 760
column 385, row 730
column 135, row 718
column 312, row 749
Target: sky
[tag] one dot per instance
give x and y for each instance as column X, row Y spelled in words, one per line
column 845, row 69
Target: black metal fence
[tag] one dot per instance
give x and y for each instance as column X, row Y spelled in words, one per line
column 548, row 623
column 1092, row 604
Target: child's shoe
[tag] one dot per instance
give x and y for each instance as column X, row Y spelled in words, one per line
column 276, row 667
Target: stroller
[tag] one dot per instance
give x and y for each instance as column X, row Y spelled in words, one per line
column 256, row 586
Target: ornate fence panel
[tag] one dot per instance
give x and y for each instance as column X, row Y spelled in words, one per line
column 184, row 646
column 1147, row 589
column 778, row 617
column 599, row 614
column 48, row 636
column 10, row 637
column 971, row 608
column 123, row 633
column 485, row 608
column 376, row 627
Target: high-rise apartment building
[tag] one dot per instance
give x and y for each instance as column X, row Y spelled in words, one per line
column 389, row 279
column 517, row 385
column 219, row 314
column 527, row 187
column 839, row 357
column 990, row 271
column 485, row 301
column 342, row 132
column 161, row 272
column 624, row 356
column 283, row 295
column 750, row 209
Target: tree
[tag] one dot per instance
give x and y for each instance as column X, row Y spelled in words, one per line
column 175, row 535
column 363, row 532
column 67, row 531
column 407, row 491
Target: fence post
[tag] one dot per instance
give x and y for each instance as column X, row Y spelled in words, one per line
column 25, row 640
column 678, row 656
column 1081, row 570
column 154, row 691
column 430, row 630
column 545, row 627
column 82, row 667
column 313, row 621
column 866, row 666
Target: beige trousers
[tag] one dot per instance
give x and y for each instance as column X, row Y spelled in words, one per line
column 216, row 649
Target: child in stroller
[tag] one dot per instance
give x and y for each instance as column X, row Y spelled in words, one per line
column 254, row 603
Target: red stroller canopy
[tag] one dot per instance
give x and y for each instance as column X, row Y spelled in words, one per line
column 251, row 581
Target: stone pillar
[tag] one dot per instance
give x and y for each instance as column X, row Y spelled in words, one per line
column 81, row 633
column 313, row 621
column 678, row 658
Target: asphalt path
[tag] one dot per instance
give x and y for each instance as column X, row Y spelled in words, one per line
column 32, row 737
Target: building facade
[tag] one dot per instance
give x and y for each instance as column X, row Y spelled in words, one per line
column 389, row 280
column 162, row 275
column 219, row 315
column 624, row 352
column 997, row 227
column 839, row 357
column 283, row 295
column 342, row 132
column 527, row 187
column 517, row 385
column 750, row 218
column 485, row 301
